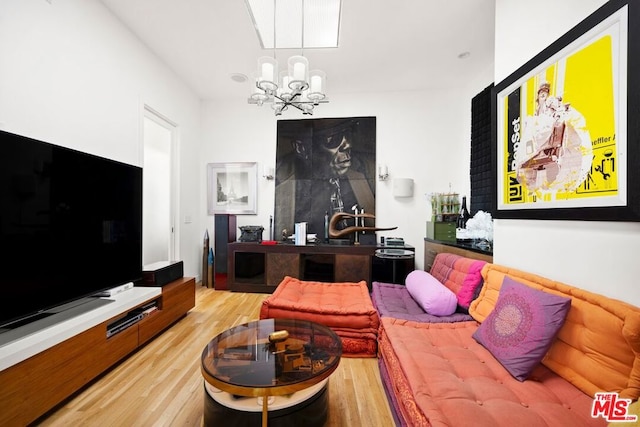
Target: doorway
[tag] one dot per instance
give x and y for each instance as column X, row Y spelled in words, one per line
column 158, row 195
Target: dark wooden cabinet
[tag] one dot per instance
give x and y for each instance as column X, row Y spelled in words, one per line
column 348, row 267
column 254, row 267
column 280, row 265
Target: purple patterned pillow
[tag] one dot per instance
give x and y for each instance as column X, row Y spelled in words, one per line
column 522, row 326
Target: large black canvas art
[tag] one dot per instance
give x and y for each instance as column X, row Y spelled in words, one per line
column 323, row 166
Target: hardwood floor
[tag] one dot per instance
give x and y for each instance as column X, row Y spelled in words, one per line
column 161, row 384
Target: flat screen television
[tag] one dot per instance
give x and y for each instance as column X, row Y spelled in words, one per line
column 70, row 226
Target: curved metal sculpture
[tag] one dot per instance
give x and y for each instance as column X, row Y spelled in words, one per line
column 337, row 217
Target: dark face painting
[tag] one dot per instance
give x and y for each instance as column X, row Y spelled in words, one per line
column 323, row 166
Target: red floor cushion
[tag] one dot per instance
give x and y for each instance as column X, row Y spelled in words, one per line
column 345, row 307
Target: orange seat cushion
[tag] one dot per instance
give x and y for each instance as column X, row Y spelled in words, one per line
column 442, row 377
column 345, row 307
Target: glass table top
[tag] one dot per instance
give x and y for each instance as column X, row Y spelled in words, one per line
column 271, row 357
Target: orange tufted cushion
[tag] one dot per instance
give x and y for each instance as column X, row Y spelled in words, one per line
column 442, row 377
column 597, row 348
column 344, row 307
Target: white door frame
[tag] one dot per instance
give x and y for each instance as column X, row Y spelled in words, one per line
column 174, row 175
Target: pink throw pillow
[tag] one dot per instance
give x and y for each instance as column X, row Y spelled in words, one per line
column 434, row 297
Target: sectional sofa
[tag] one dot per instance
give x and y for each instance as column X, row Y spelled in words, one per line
column 529, row 352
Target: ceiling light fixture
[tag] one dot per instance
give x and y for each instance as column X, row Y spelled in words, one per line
column 296, row 86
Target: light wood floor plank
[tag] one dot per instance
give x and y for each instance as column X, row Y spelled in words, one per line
column 161, row 384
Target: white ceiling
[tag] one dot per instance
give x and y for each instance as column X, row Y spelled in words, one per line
column 384, row 45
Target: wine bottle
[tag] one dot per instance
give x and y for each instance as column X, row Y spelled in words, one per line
column 463, row 216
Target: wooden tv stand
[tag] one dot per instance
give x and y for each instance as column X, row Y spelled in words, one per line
column 39, row 371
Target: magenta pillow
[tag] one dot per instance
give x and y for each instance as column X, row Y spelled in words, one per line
column 471, row 284
column 522, row 326
column 434, row 297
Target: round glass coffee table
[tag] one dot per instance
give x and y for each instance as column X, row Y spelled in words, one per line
column 268, row 358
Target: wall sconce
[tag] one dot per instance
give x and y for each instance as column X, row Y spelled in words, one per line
column 267, row 173
column 403, row 187
column 383, row 172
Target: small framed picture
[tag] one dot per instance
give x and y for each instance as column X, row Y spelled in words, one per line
column 231, row 188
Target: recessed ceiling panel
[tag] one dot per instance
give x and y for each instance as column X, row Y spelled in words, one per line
column 321, row 23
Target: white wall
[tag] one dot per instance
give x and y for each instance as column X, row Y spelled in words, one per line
column 597, row 256
column 422, row 135
column 73, row 75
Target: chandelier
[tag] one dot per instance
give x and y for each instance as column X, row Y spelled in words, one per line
column 296, row 86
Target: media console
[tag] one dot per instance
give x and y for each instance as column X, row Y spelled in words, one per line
column 39, row 371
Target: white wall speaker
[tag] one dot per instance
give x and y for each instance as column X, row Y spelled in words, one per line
column 403, row 187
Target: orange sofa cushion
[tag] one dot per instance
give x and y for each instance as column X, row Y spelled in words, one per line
column 442, row 377
column 345, row 307
column 597, row 348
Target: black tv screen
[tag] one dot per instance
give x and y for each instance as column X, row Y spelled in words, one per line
column 70, row 225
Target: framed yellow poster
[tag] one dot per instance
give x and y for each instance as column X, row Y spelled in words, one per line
column 566, row 143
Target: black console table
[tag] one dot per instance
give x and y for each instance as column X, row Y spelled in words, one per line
column 256, row 267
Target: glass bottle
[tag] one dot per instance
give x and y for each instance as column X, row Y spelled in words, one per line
column 326, row 227
column 464, row 213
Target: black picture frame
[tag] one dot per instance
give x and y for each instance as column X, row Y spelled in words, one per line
column 575, row 188
column 306, row 176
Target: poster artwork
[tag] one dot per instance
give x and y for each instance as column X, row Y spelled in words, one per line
column 559, row 130
column 324, row 167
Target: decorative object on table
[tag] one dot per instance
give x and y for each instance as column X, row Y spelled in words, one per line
column 394, row 241
column 278, row 336
column 251, row 233
column 479, row 231
column 205, row 256
column 463, row 216
column 232, row 188
column 358, row 222
column 271, row 240
column 326, row 226
column 270, row 227
column 334, row 232
column 300, row 236
column 565, row 148
column 444, row 207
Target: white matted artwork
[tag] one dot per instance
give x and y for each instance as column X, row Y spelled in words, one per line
column 231, row 188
